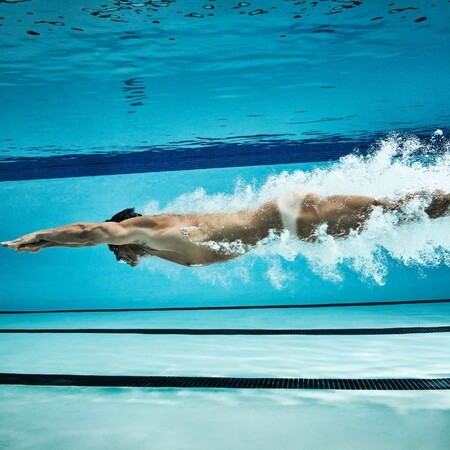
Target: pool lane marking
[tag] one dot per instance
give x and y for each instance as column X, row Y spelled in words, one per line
column 233, row 331
column 236, row 307
column 180, row 382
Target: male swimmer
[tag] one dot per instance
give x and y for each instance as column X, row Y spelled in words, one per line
column 202, row 239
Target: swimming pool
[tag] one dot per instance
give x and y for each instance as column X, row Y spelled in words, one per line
column 211, row 106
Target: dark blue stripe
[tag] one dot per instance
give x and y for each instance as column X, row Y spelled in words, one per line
column 163, row 158
column 201, row 154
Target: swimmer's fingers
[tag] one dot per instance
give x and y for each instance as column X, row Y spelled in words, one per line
column 11, row 244
column 8, row 244
column 23, row 240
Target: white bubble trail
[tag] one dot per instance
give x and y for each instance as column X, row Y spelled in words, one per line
column 395, row 166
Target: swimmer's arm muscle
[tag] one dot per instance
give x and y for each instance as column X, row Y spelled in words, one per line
column 82, row 234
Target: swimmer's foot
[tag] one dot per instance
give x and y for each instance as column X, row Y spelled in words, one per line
column 439, row 206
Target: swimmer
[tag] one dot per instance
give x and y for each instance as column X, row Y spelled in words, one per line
column 202, row 239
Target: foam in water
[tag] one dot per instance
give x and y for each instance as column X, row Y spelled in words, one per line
column 395, row 166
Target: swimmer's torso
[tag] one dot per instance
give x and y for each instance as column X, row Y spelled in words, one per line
column 202, row 239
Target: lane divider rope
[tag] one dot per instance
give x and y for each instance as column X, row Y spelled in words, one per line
column 180, row 382
column 236, row 307
column 234, row 331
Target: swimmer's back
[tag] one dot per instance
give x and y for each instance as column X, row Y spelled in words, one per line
column 302, row 212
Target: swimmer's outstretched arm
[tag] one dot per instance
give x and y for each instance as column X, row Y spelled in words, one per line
column 82, row 234
column 37, row 246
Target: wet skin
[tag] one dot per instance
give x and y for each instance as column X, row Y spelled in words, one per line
column 202, row 239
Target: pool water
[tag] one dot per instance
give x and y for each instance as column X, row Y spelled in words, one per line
column 204, row 106
column 52, row 417
column 124, row 76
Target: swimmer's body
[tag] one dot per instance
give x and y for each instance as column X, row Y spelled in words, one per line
column 203, row 239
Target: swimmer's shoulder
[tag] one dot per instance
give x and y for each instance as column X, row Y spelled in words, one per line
column 149, row 222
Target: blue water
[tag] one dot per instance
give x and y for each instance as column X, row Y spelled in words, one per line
column 106, row 78
column 380, row 264
column 215, row 106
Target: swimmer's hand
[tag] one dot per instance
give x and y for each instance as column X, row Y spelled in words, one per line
column 23, row 242
column 33, row 248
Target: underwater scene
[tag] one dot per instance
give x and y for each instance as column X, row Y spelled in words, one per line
column 226, row 224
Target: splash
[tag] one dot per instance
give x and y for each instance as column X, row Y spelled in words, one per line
column 395, row 166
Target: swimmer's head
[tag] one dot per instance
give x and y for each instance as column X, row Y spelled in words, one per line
column 130, row 253
column 125, row 214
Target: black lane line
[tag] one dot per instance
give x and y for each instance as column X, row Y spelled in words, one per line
column 233, row 331
column 179, row 382
column 238, row 307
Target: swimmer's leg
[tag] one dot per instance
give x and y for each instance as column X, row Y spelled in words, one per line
column 439, row 205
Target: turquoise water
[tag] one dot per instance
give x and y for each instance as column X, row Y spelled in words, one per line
column 380, row 264
column 103, row 102
column 55, row 417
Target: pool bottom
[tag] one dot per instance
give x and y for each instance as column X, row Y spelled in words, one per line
column 42, row 417
column 100, row 418
column 420, row 355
